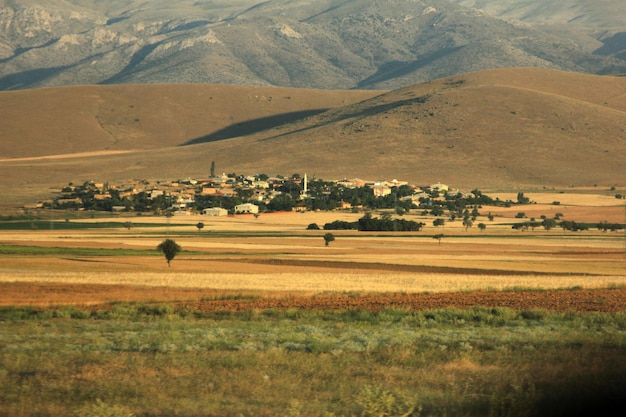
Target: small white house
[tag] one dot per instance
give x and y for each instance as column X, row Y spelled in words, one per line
column 246, row 208
column 215, row 211
column 439, row 187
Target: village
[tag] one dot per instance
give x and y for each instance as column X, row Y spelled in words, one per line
column 225, row 194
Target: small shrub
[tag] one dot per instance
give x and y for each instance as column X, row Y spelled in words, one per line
column 102, row 409
column 536, row 315
column 377, row 401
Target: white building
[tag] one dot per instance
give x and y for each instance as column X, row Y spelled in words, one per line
column 246, row 208
column 215, row 211
column 439, row 187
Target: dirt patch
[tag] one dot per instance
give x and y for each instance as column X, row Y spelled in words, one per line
column 424, row 269
column 559, row 300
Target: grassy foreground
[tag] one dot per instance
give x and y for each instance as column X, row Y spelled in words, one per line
column 161, row 360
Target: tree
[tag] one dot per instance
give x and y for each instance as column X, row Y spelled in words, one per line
column 170, row 249
column 482, row 226
column 467, row 220
column 328, row 237
column 548, row 223
column 437, row 211
column 128, row 225
column 521, row 199
column 283, row 202
column 439, row 222
column 438, row 237
column 212, row 169
column 200, row 226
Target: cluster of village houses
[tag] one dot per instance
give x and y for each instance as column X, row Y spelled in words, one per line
column 182, row 194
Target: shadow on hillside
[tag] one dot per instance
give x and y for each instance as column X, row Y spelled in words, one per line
column 135, row 60
column 254, row 126
column 19, row 51
column 396, row 69
column 360, row 114
column 615, row 45
column 26, row 79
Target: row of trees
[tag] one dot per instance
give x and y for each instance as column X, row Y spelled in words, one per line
column 368, row 223
column 570, row 225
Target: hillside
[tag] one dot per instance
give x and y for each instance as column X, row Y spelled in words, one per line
column 325, row 44
column 64, row 120
column 596, row 17
column 498, row 129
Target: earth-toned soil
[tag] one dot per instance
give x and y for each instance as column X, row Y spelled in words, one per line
column 578, row 300
column 210, row 300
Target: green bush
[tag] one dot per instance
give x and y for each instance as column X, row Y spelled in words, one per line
column 102, row 409
column 377, row 401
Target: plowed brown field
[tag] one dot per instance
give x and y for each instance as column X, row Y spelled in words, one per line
column 210, row 300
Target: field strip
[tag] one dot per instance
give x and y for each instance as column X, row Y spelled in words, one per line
column 321, row 282
column 66, row 156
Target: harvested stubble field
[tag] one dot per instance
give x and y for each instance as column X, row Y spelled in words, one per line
column 275, row 258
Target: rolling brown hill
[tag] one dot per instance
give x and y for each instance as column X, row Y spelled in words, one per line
column 63, row 120
column 507, row 128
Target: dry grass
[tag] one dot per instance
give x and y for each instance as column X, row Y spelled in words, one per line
column 313, row 283
column 274, row 253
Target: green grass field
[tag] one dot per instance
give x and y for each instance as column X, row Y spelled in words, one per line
column 160, row 360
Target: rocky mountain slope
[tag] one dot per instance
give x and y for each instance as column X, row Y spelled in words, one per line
column 597, row 24
column 325, row 44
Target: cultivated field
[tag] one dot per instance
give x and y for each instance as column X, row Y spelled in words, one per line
column 257, row 317
column 274, row 253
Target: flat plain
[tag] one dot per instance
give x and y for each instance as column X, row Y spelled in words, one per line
column 274, row 255
column 257, row 316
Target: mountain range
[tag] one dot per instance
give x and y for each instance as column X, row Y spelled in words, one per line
column 321, row 44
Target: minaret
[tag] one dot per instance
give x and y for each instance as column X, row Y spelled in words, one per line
column 306, row 190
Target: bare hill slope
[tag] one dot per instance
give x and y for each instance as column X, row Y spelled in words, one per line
column 499, row 128
column 505, row 128
column 57, row 121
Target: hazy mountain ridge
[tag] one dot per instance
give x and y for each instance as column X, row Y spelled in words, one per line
column 599, row 25
column 597, row 17
column 334, row 44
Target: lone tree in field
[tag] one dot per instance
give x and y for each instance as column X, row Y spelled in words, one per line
column 438, row 237
column 169, row 248
column 328, row 237
column 200, row 226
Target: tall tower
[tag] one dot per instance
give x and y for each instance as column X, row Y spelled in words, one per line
column 305, row 191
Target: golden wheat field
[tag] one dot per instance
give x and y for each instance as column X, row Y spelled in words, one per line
column 275, row 253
